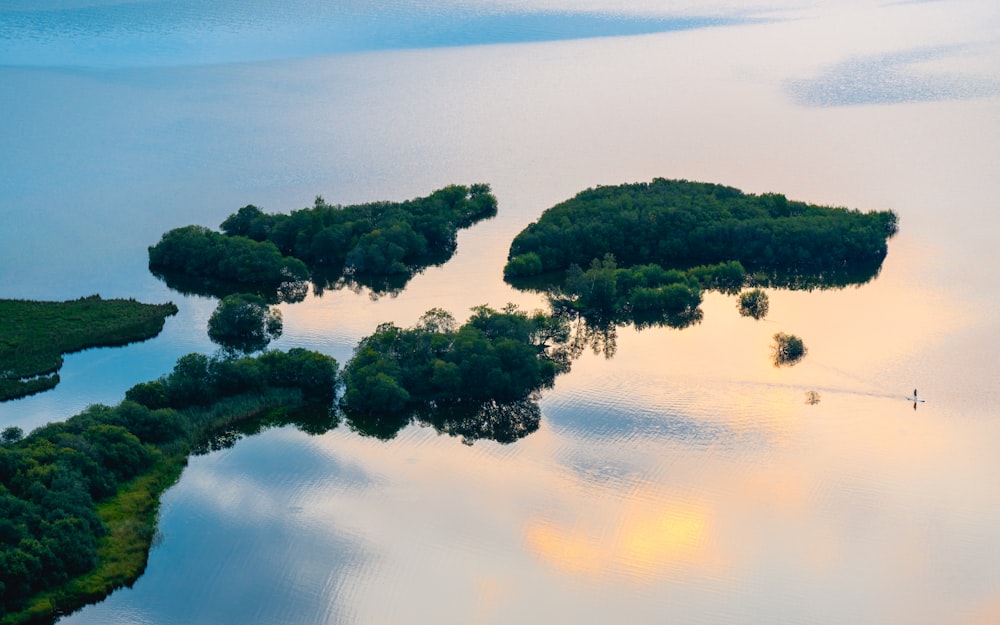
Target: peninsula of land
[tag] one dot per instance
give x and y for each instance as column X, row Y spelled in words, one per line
column 35, row 335
column 78, row 499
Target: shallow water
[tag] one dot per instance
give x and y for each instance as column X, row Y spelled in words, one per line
column 683, row 480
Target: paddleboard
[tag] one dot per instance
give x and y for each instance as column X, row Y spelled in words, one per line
column 916, row 399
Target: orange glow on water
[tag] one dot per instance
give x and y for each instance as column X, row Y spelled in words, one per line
column 648, row 539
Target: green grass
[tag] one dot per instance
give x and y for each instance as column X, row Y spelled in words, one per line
column 34, row 335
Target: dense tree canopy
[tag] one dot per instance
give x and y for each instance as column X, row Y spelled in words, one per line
column 494, row 359
column 650, row 249
column 678, row 224
column 199, row 251
column 642, row 289
column 379, row 245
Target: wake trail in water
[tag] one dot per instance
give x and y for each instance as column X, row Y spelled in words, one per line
column 874, row 393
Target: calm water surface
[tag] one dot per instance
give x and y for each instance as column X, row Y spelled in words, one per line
column 682, row 480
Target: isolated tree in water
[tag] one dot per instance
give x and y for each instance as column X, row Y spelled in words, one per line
column 754, row 303
column 244, row 323
column 787, row 349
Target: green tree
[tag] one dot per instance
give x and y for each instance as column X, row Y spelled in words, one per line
column 243, row 322
column 787, row 349
column 754, row 303
column 11, row 435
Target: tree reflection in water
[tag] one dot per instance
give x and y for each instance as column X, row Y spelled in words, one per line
column 501, row 422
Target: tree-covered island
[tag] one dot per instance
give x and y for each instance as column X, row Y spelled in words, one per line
column 656, row 245
column 477, row 380
column 78, row 499
column 379, row 245
column 34, row 335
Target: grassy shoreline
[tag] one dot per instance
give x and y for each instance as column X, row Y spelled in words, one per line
column 131, row 518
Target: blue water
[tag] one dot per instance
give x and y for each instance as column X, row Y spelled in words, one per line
column 144, row 34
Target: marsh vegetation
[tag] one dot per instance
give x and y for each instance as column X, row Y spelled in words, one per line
column 34, row 335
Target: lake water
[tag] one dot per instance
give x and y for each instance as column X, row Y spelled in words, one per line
column 683, row 480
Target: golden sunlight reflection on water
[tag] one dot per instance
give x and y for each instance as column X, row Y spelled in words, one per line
column 641, row 538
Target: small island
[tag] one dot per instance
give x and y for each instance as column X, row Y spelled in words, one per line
column 34, row 335
column 681, row 224
column 379, row 245
column 79, row 498
column 643, row 253
column 476, row 380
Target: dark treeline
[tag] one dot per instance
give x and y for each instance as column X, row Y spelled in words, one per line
column 651, row 249
column 379, row 245
column 198, row 251
column 679, row 224
column 476, row 380
column 55, row 482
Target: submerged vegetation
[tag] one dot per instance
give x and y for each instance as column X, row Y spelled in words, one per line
column 79, row 498
column 34, row 335
column 379, row 245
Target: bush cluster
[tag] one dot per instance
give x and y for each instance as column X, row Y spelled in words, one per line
column 496, row 356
